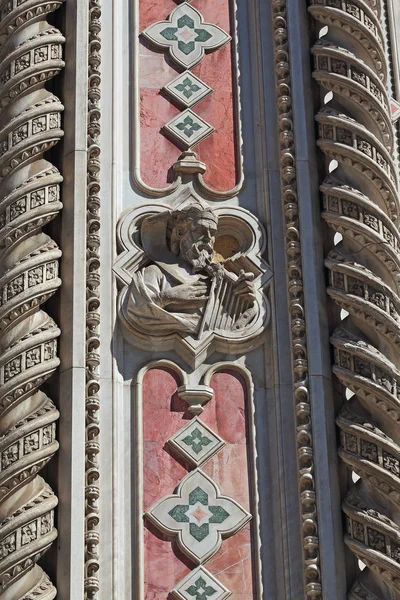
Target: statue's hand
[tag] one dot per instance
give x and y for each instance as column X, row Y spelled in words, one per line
column 244, row 286
column 192, row 292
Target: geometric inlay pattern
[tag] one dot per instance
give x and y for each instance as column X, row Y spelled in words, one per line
column 196, row 442
column 187, row 129
column 187, row 89
column 394, row 110
column 186, row 36
column 199, row 516
column 200, row 585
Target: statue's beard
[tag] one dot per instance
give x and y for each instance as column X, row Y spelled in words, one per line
column 198, row 254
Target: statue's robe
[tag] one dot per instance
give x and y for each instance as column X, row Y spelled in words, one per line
column 145, row 306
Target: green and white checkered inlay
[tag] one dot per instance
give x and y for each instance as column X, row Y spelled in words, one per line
column 186, row 36
column 187, row 89
column 196, row 442
column 199, row 516
column 187, row 129
column 200, row 585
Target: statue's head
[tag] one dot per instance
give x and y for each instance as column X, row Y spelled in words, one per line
column 191, row 234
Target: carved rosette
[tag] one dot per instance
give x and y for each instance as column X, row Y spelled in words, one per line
column 30, row 125
column 361, row 203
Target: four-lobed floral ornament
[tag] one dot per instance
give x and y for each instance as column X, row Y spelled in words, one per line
column 186, row 36
column 199, row 516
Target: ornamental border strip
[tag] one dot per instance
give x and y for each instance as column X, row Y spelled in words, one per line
column 92, row 359
column 288, row 176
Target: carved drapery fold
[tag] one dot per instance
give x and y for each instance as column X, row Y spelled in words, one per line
column 361, row 203
column 30, row 125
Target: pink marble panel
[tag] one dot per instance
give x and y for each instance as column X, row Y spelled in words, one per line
column 164, row 414
column 218, row 151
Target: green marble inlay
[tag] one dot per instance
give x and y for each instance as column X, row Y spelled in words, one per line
column 185, row 21
column 202, row 35
column 219, row 514
column 200, row 590
column 199, row 532
column 178, row 513
column 186, row 48
column 195, row 439
column 187, row 87
column 188, row 126
column 198, row 495
column 169, row 33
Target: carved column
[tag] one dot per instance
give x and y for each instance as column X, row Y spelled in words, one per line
column 361, row 203
column 30, row 124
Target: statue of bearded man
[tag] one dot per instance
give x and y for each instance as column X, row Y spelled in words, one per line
column 171, row 294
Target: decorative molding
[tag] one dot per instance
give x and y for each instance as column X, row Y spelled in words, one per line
column 288, row 174
column 364, row 277
column 30, row 55
column 92, row 447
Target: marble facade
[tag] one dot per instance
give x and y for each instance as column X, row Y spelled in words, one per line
column 199, row 300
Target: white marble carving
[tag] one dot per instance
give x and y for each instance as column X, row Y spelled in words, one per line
column 31, row 55
column 199, row 516
column 180, row 292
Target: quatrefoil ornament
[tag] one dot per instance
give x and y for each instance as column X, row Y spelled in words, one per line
column 199, row 516
column 186, row 36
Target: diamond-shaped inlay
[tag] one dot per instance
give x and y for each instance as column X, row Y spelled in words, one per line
column 395, row 110
column 200, row 585
column 186, row 35
column 187, row 129
column 187, row 89
column 196, row 442
column 199, row 516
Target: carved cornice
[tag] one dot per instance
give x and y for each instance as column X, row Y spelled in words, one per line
column 312, row 574
column 92, row 491
column 364, row 276
column 30, row 124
